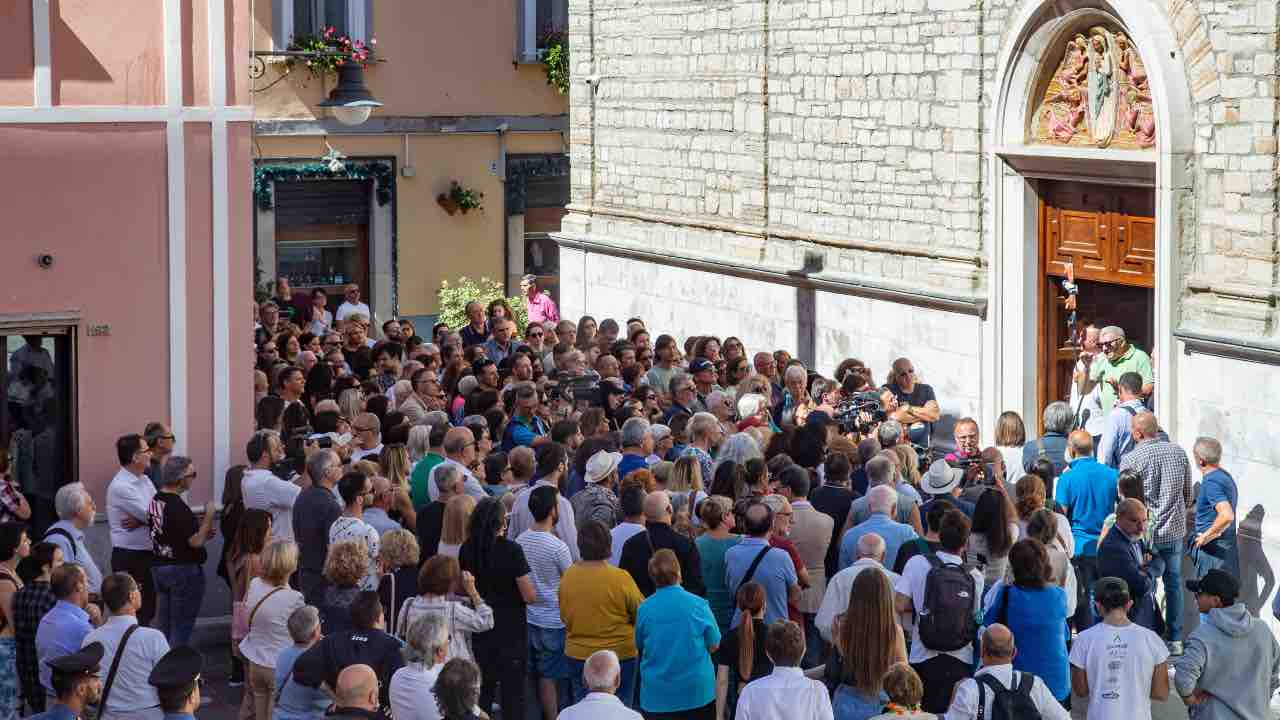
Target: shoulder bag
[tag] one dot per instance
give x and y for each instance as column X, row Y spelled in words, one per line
column 242, row 621
column 115, row 665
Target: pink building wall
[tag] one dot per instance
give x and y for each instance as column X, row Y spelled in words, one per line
column 97, row 194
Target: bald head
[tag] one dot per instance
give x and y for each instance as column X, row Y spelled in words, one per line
column 358, row 688
column 1081, row 443
column 1131, row 509
column 602, row 672
column 997, row 645
column 657, row 507
column 871, row 546
column 1144, row 426
column 456, row 441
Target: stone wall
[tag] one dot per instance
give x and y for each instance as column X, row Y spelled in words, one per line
column 858, row 128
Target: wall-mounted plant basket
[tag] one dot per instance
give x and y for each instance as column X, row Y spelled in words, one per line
column 460, row 199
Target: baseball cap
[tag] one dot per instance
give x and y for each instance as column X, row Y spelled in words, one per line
column 1218, row 583
column 701, row 364
column 941, row 478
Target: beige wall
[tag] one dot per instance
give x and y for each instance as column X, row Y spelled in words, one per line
column 457, row 62
column 431, row 245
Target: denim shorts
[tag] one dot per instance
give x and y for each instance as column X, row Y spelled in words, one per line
column 546, row 653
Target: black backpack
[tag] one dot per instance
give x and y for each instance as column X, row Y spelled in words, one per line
column 946, row 621
column 1007, row 704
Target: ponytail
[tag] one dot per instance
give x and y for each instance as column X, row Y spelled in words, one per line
column 750, row 600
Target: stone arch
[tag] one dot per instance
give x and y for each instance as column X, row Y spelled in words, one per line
column 1036, row 29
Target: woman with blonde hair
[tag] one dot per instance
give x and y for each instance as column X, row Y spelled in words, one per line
column 457, row 524
column 868, row 640
column 395, row 464
column 908, row 464
column 270, row 601
column 684, row 486
column 399, row 558
column 436, row 581
column 1011, row 436
column 345, row 568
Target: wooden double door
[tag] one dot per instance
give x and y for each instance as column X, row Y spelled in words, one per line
column 1104, row 237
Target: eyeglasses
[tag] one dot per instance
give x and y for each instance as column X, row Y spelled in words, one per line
column 905, row 373
column 1108, row 344
column 192, row 476
column 165, row 437
column 534, row 335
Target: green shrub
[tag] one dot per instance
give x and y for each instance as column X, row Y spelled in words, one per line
column 454, row 297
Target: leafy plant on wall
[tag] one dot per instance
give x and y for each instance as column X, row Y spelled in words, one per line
column 453, row 300
column 555, row 59
column 461, row 199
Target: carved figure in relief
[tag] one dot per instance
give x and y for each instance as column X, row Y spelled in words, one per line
column 1098, row 95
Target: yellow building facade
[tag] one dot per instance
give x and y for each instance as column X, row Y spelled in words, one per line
column 465, row 100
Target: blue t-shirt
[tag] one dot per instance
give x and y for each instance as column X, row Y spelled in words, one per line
column 1088, row 490
column 675, row 632
column 1217, row 486
column 776, row 573
column 297, row 701
column 631, row 462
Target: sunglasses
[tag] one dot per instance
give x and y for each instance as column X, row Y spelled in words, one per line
column 1108, row 344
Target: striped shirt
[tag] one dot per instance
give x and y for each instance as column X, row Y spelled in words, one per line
column 1166, row 480
column 548, row 558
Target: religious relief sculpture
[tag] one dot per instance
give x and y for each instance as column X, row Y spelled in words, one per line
column 1098, row 96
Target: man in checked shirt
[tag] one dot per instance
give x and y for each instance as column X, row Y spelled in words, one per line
column 1166, row 480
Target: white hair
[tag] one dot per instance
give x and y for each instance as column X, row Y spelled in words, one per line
column 882, row 499
column 871, row 546
column 796, row 370
column 601, row 671
column 70, row 500
column 739, row 448
column 424, row 637
column 750, row 404
column 419, row 442
column 701, row 424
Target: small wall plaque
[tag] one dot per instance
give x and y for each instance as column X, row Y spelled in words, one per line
column 99, row 330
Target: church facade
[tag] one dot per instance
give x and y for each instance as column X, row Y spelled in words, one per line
column 964, row 182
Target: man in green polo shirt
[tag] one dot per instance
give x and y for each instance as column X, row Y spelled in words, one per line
column 1118, row 357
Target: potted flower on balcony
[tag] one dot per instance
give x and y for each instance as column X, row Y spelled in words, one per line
column 333, row 50
column 554, row 50
column 460, row 199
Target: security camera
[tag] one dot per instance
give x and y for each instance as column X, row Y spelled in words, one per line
column 44, row 260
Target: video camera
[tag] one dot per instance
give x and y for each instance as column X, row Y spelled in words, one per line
column 577, row 389
column 860, row 414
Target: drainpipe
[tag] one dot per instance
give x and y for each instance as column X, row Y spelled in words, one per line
column 506, row 219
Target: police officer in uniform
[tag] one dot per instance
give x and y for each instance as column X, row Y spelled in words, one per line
column 75, row 683
column 177, row 680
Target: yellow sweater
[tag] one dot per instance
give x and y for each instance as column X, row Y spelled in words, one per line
column 598, row 605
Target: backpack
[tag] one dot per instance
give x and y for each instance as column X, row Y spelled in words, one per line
column 1015, row 704
column 946, row 622
column 1129, row 444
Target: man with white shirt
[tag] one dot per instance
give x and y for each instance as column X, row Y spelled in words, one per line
column 602, row 676
column 974, row 696
column 351, row 305
column 836, row 599
column 367, row 431
column 459, row 451
column 356, row 489
column 262, row 490
column 76, row 510
column 128, row 515
column 131, row 695
column 941, row 668
column 1117, row 664
column 785, row 693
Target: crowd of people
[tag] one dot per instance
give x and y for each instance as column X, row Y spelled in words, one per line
column 581, row 520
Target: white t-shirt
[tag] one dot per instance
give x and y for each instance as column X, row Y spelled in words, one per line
column 1119, row 661
column 410, row 692
column 353, row 528
column 911, row 584
column 346, row 310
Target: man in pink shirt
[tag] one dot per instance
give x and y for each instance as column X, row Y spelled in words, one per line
column 542, row 309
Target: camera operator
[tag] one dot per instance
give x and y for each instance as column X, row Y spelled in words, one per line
column 913, row 404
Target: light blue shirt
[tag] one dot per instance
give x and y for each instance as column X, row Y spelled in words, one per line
column 1116, row 434
column 378, row 518
column 776, row 573
column 1088, row 491
column 77, row 552
column 895, row 535
column 61, row 632
column 62, row 712
column 675, row 633
column 297, row 702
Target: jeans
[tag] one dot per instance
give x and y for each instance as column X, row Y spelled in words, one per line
column 849, row 704
column 503, row 657
column 1171, row 552
column 626, row 689
column 815, row 648
column 1219, row 554
column 181, row 587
